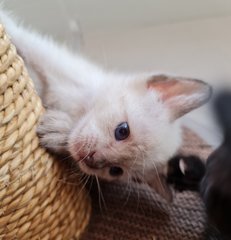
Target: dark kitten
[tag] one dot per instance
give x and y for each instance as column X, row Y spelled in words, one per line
column 185, row 172
column 216, row 185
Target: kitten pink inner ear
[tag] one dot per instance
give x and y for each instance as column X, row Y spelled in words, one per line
column 181, row 95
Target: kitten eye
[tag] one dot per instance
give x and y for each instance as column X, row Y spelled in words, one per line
column 122, row 131
column 115, row 171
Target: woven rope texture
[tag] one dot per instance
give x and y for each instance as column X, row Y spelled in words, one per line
column 37, row 200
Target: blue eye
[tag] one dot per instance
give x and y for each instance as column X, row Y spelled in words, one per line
column 122, row 131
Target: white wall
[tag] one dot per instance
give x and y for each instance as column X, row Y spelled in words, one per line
column 94, row 15
column 200, row 49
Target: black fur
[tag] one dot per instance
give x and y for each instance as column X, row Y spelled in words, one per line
column 216, row 184
column 190, row 179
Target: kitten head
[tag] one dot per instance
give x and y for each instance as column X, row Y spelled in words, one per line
column 131, row 129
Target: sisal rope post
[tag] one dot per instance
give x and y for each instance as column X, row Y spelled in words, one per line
column 36, row 199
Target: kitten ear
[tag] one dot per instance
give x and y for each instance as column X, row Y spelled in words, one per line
column 181, row 95
column 160, row 185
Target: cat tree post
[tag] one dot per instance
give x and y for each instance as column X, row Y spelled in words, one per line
column 37, row 200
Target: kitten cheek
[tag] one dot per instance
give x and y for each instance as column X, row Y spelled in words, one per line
column 74, row 146
column 73, row 152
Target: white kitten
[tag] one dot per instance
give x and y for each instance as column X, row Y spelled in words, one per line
column 115, row 126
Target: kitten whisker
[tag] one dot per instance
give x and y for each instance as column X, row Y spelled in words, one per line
column 143, row 160
column 100, row 195
column 82, row 159
column 67, row 157
column 76, row 183
column 128, row 189
column 134, row 162
column 158, row 176
column 138, row 194
column 84, row 185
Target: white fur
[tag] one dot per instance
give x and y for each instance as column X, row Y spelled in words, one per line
column 85, row 104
